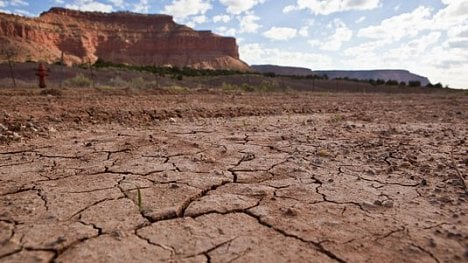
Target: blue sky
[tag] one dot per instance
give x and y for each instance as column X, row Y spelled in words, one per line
column 427, row 37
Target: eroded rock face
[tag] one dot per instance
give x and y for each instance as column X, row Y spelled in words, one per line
column 121, row 37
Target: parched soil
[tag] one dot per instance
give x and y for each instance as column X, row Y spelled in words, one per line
column 128, row 176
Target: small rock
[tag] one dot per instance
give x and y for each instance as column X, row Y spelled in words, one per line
column 289, row 212
column 423, row 182
column 174, row 186
column 378, row 202
column 52, row 129
column 172, row 120
column 3, row 127
column 405, row 165
column 388, row 203
column 16, row 136
column 432, row 243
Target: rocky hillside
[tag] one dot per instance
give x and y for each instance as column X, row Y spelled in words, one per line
column 385, row 74
column 121, row 37
column 399, row 75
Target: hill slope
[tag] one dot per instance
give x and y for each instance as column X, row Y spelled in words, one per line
column 390, row 74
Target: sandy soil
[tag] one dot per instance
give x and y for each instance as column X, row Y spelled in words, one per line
column 238, row 177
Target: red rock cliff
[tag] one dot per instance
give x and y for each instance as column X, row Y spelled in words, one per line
column 120, row 37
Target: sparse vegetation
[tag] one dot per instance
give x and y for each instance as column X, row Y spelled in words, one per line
column 176, row 89
column 414, row 83
column 175, row 72
column 79, row 81
column 139, row 198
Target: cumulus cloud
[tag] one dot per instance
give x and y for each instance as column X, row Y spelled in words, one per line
column 255, row 53
column 397, row 27
column 199, row 19
column 141, row 7
column 280, row 33
column 222, row 30
column 342, row 34
column 118, row 3
column 455, row 13
column 90, row 5
column 249, row 23
column 15, row 3
column 304, row 31
column 18, row 3
column 238, row 6
column 182, row 9
column 326, row 7
column 221, row 18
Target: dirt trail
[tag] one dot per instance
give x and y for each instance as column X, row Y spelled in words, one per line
column 234, row 178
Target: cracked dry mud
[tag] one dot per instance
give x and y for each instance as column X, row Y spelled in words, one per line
column 370, row 180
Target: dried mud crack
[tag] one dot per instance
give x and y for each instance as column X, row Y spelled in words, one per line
column 377, row 180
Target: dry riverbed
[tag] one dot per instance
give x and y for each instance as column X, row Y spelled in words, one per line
column 244, row 177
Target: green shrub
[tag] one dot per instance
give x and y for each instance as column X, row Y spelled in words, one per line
column 176, row 89
column 79, row 80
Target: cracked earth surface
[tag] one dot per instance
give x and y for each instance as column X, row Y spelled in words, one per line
column 372, row 180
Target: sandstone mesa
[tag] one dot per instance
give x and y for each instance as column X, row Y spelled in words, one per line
column 121, row 37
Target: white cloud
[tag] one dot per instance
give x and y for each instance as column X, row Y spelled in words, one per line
column 225, row 31
column 90, row 5
column 118, row 3
column 59, row 1
column 23, row 12
column 342, row 34
column 18, row 3
column 326, row 7
column 258, row 54
column 141, row 7
column 361, row 19
column 221, row 18
column 2, row 4
column 397, row 27
column 304, row 31
column 238, row 6
column 455, row 13
column 248, row 23
column 181, row 9
column 199, row 19
column 280, row 33
column 290, row 8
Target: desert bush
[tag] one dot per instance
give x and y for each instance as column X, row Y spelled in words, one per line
column 414, row 83
column 118, row 82
column 79, row 80
column 176, row 89
column 391, row 82
column 138, row 82
column 228, row 87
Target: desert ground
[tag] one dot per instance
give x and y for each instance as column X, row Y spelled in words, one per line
column 101, row 175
